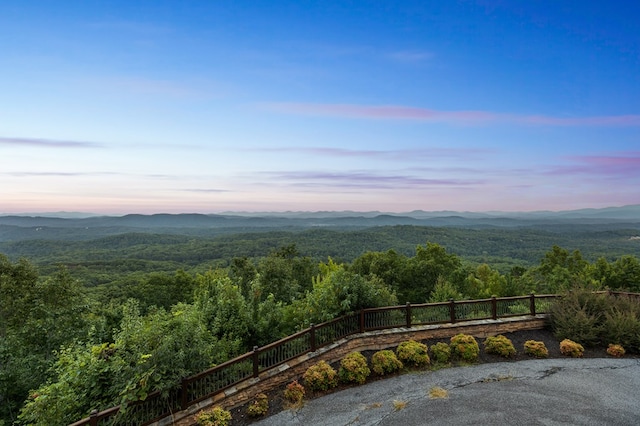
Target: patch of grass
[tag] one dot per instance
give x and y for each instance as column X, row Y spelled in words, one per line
column 437, row 392
column 399, row 405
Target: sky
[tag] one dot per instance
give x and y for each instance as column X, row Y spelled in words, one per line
column 119, row 107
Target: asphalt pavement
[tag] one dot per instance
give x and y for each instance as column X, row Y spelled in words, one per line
column 565, row 391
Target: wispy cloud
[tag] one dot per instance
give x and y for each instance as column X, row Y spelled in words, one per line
column 464, row 117
column 361, row 179
column 47, row 143
column 206, row 190
column 624, row 165
column 62, row 174
column 394, row 154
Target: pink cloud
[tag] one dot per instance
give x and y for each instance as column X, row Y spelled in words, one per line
column 626, row 165
column 396, row 112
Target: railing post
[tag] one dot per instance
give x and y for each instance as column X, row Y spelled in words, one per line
column 312, row 337
column 494, row 308
column 255, row 361
column 93, row 418
column 361, row 320
column 408, row 312
column 184, row 400
column 532, row 304
column 452, row 310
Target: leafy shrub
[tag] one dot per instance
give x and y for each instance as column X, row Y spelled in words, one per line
column 616, row 351
column 465, row 347
column 384, row 362
column 622, row 325
column 499, row 345
column 320, row 377
column 578, row 315
column 294, row 392
column 441, row 353
column 414, row 353
column 354, row 368
column 571, row 348
column 259, row 406
column 536, row 348
column 216, row 416
column 592, row 319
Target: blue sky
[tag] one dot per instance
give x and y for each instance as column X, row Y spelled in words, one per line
column 208, row 106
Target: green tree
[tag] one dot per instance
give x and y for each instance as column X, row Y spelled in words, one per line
column 39, row 315
column 150, row 352
column 624, row 274
column 444, row 291
column 423, row 271
column 223, row 308
column 485, row 282
column 337, row 291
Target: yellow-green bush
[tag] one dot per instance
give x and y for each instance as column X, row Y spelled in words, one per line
column 259, row 406
column 465, row 347
column 413, row 353
column 616, row 351
column 320, row 377
column 441, row 353
column 354, row 368
column 385, row 361
column 499, row 345
column 216, row 416
column 536, row 348
column 294, row 392
column 570, row 348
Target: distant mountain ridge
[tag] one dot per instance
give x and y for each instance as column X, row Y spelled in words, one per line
column 623, row 212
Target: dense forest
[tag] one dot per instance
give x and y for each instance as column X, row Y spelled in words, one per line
column 96, row 319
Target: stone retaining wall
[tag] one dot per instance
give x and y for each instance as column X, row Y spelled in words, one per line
column 373, row 340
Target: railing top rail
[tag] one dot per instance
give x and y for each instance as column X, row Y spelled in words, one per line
column 100, row 415
column 470, row 302
column 218, row 367
column 424, row 305
column 340, row 318
column 283, row 340
column 384, row 308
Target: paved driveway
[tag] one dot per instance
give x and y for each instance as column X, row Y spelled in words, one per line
column 563, row 391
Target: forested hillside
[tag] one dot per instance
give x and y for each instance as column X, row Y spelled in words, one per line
column 137, row 311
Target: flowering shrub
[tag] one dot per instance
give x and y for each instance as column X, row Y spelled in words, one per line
column 414, row 353
column 216, row 416
column 320, row 377
column 441, row 353
column 499, row 345
column 354, row 368
column 571, row 348
column 465, row 347
column 536, row 348
column 259, row 406
column 294, row 392
column 384, row 362
column 615, row 350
